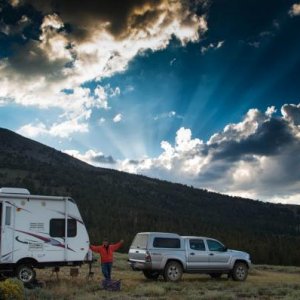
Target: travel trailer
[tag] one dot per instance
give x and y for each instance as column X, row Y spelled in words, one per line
column 38, row 232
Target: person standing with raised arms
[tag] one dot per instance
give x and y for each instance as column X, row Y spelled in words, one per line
column 106, row 251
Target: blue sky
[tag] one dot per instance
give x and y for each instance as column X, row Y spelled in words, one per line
column 159, row 88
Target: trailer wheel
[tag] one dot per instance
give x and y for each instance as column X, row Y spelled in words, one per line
column 26, row 273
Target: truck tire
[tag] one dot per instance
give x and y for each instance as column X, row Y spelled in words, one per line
column 173, row 271
column 26, row 273
column 240, row 271
column 153, row 275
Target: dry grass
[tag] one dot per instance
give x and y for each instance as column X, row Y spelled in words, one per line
column 264, row 282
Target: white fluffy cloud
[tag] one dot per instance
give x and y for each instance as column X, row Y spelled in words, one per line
column 258, row 157
column 61, row 60
column 295, row 10
column 77, row 107
column 212, row 46
column 62, row 130
column 117, row 118
column 92, row 157
column 168, row 115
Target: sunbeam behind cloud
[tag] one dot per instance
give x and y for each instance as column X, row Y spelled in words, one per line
column 240, row 160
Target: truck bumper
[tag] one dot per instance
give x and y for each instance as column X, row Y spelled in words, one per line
column 139, row 266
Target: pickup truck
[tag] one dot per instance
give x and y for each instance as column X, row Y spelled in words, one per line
column 171, row 255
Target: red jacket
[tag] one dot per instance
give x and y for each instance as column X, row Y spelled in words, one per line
column 106, row 254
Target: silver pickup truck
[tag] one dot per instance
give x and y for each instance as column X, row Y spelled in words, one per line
column 170, row 255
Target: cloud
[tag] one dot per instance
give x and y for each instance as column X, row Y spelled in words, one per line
column 295, row 10
column 32, row 131
column 270, row 111
column 167, row 115
column 212, row 46
column 291, row 113
column 62, row 130
column 254, row 44
column 101, row 121
column 172, row 62
column 80, row 43
column 77, row 105
column 117, row 118
column 17, row 28
column 126, row 18
column 258, row 157
column 92, row 157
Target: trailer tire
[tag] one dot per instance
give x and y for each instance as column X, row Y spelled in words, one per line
column 26, row 273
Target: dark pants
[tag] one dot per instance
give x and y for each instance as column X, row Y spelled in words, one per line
column 106, row 270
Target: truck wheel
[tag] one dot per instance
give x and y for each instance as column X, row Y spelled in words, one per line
column 240, row 271
column 151, row 274
column 26, row 273
column 215, row 275
column 173, row 271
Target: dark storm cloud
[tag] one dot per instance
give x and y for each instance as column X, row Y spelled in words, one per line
column 103, row 159
column 269, row 139
column 134, row 162
column 30, row 59
column 292, row 113
column 73, row 42
column 81, row 15
column 119, row 17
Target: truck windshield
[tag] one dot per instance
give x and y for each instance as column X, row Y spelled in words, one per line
column 140, row 241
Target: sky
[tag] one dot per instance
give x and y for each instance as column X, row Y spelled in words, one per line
column 200, row 92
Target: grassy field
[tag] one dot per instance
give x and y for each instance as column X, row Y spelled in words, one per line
column 264, row 282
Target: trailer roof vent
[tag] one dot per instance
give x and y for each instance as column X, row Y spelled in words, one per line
column 18, row 191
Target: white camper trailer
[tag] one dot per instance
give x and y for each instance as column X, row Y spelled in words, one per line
column 38, row 232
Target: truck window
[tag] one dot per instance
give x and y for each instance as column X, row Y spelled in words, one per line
column 197, row 244
column 214, row 245
column 8, row 215
column 140, row 241
column 57, row 228
column 166, row 243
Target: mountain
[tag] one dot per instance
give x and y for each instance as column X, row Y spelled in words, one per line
column 118, row 204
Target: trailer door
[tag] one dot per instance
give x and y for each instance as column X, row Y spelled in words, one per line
column 7, row 233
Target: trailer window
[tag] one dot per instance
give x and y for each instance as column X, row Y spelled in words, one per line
column 57, row 228
column 166, row 243
column 8, row 215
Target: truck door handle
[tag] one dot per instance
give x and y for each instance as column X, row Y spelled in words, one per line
column 192, row 253
column 211, row 254
column 137, row 252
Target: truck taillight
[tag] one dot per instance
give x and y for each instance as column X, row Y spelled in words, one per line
column 148, row 257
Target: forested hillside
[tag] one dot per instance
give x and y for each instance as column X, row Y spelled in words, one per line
column 117, row 204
